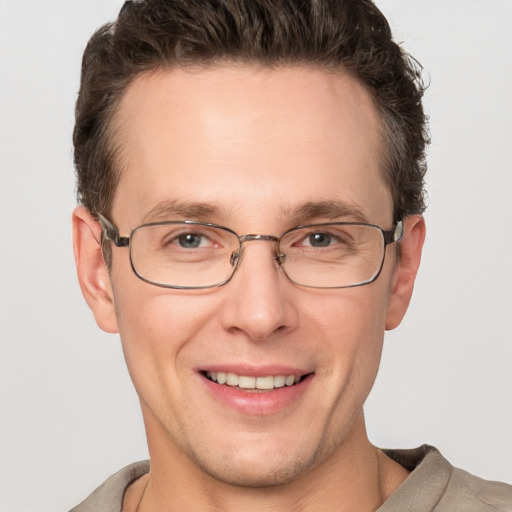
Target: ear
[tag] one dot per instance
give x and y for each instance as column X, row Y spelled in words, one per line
column 92, row 270
column 406, row 270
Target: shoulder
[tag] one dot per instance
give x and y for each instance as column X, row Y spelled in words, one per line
column 108, row 497
column 435, row 485
column 468, row 492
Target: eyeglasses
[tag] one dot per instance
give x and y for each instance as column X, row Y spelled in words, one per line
column 195, row 255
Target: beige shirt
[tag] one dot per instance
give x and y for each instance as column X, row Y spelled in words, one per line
column 434, row 485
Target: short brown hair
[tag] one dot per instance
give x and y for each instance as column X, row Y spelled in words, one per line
column 336, row 34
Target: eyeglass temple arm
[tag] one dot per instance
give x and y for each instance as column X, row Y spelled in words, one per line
column 395, row 234
column 112, row 233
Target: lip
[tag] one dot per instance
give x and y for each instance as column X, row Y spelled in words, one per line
column 255, row 402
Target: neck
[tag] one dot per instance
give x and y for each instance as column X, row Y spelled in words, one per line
column 355, row 476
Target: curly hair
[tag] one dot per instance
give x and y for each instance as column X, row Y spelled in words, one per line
column 352, row 35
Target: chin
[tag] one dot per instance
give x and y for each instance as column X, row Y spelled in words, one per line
column 252, row 477
column 255, row 470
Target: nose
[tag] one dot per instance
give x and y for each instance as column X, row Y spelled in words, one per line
column 258, row 297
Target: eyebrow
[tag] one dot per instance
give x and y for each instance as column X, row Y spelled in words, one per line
column 308, row 212
column 327, row 210
column 176, row 208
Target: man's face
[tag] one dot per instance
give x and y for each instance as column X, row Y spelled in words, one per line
column 255, row 145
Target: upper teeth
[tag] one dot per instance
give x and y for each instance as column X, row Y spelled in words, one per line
column 246, row 382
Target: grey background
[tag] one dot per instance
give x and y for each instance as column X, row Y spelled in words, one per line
column 69, row 416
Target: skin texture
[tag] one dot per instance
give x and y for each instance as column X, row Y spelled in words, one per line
column 255, row 144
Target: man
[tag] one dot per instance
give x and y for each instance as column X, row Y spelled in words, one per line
column 251, row 185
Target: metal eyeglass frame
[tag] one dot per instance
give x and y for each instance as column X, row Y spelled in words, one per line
column 111, row 232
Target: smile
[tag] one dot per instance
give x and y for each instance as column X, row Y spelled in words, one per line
column 249, row 382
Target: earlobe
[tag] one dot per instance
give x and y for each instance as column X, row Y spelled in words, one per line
column 92, row 270
column 406, row 270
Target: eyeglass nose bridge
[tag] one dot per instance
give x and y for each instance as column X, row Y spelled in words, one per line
column 236, row 256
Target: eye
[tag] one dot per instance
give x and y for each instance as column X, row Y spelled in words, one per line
column 319, row 239
column 177, row 238
column 191, row 240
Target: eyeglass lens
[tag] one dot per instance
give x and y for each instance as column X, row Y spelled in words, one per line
column 184, row 255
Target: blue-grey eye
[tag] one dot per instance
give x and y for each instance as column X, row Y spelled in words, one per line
column 320, row 239
column 190, row 240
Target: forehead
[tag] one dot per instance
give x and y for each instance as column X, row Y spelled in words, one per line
column 247, row 139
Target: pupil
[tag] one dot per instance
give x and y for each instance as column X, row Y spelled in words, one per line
column 319, row 240
column 189, row 241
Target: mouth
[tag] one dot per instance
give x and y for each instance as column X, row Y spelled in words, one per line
column 260, row 392
column 253, row 383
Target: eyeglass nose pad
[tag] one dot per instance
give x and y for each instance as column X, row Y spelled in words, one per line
column 280, row 258
column 235, row 257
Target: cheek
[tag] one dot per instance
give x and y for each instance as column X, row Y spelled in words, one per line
column 156, row 326
column 348, row 329
column 159, row 336
column 350, row 325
